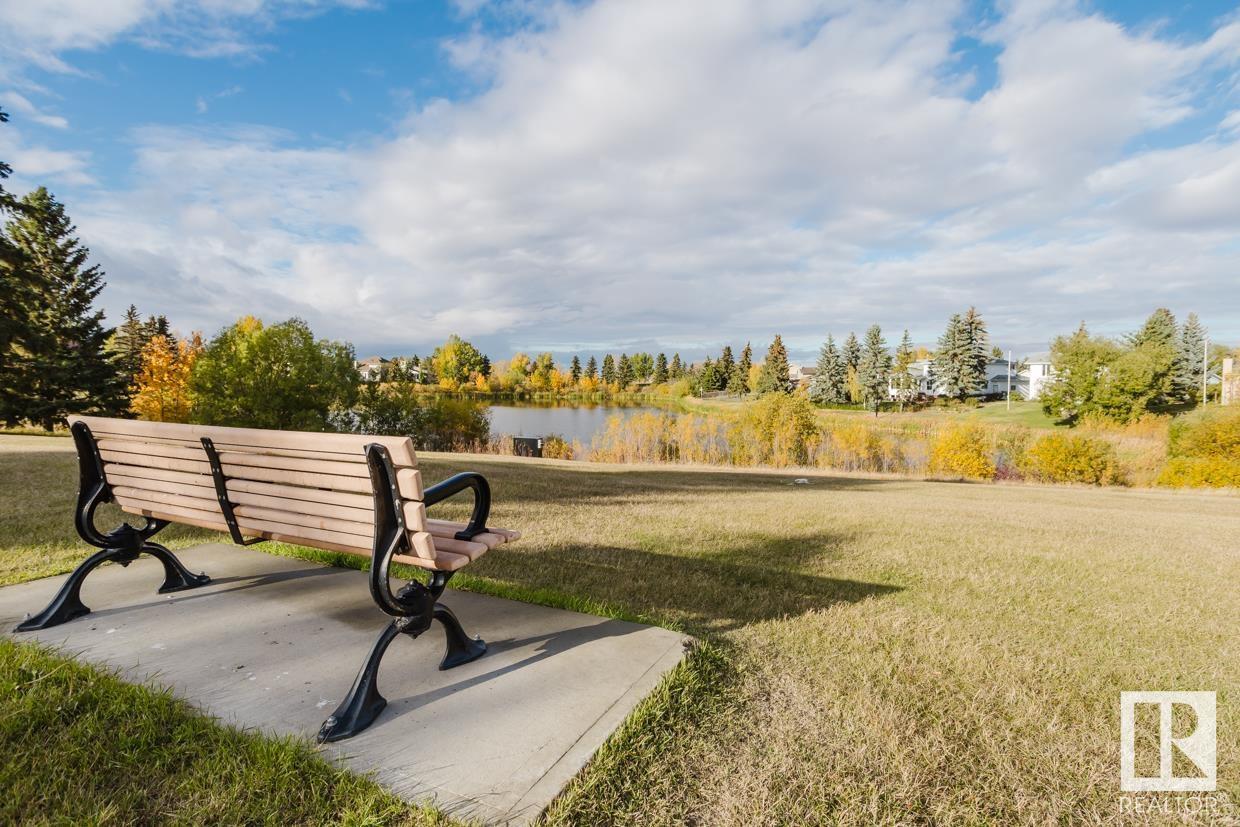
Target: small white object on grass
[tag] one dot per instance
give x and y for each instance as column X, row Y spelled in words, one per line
column 800, row 481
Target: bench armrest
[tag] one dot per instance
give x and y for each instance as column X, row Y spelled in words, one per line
column 482, row 499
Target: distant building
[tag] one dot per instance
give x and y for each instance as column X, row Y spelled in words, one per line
column 373, row 368
column 1027, row 383
column 376, row 368
column 1230, row 381
column 801, row 375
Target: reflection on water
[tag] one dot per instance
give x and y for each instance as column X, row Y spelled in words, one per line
column 571, row 420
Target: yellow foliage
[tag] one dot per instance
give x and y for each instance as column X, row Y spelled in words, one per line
column 1072, row 458
column 161, row 388
column 1200, row 472
column 962, row 451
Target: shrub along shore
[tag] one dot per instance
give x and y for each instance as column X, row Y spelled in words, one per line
column 1200, row 449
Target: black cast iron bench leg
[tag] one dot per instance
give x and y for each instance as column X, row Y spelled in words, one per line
column 414, row 606
column 123, row 545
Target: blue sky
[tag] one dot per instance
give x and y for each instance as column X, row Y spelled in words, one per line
column 630, row 173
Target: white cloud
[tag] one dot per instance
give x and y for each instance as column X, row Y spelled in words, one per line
column 35, row 163
column 40, row 32
column 696, row 172
column 19, row 103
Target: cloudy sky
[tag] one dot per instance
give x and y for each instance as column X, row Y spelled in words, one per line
column 638, row 173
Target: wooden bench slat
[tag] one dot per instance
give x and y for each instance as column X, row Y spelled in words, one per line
column 152, row 461
column 304, row 521
column 400, row 448
column 162, row 449
column 468, row 548
column 445, row 527
column 236, row 463
column 206, row 502
column 127, row 474
column 177, row 514
column 348, row 499
column 340, row 512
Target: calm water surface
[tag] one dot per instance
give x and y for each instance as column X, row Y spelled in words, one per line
column 573, row 421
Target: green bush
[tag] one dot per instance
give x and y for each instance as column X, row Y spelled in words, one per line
column 1072, row 458
column 962, row 451
column 1200, row 472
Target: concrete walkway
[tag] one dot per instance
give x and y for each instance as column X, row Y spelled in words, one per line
column 274, row 643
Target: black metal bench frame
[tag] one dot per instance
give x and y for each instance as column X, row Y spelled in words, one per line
column 413, row 606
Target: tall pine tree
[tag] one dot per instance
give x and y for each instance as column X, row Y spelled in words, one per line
column 875, row 369
column 852, row 351
column 660, row 369
column 609, row 369
column 902, row 379
column 977, row 349
column 959, row 365
column 64, row 367
column 16, row 305
column 128, row 342
column 677, row 369
column 829, row 386
column 591, row 368
column 624, row 371
column 743, row 367
column 574, row 370
column 774, row 376
column 1190, row 357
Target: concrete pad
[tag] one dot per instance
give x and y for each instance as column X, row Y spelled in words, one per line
column 274, row 643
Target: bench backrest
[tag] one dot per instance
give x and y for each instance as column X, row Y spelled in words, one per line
column 311, row 489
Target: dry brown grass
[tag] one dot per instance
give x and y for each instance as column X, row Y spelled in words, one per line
column 877, row 650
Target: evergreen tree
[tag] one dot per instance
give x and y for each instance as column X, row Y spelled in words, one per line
column 1189, row 359
column 852, row 351
column 677, row 369
column 977, row 349
column 875, row 369
column 1159, row 342
column 17, row 303
column 959, row 366
column 902, row 379
column 829, row 384
column 660, row 369
column 624, row 371
column 591, row 368
column 485, row 369
column 774, row 377
column 609, row 369
column 574, row 369
column 63, row 367
column 128, row 342
column 642, row 365
column 708, row 378
column 743, row 366
column 726, row 364
column 156, row 326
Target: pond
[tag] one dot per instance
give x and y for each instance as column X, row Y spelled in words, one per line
column 572, row 420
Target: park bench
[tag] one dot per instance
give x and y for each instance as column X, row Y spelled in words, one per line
column 341, row 492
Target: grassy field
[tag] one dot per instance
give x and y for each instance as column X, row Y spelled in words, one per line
column 874, row 650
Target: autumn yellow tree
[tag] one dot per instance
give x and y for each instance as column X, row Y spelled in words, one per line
column 161, row 387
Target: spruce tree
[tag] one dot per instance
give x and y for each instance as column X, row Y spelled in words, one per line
column 902, row 379
column 64, row 367
column 725, row 365
column 977, row 350
column 708, row 377
column 947, row 367
column 609, row 369
column 591, row 368
column 128, row 342
column 677, row 369
column 852, row 352
column 774, row 377
column 743, row 366
column 828, row 386
column 875, row 369
column 17, row 303
column 660, row 369
column 574, row 369
column 1189, row 359
column 1158, row 341
column 624, row 371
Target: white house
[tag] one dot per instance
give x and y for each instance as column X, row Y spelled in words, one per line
column 1026, row 383
column 372, row 368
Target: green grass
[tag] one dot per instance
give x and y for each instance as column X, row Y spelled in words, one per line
column 873, row 650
